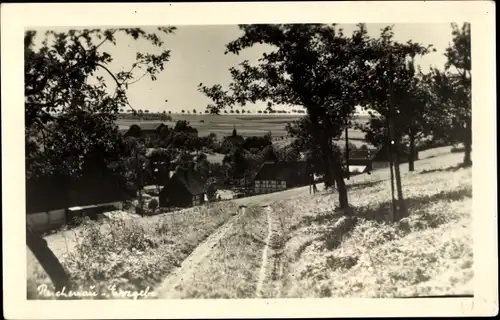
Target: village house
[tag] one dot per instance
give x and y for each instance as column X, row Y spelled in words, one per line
column 147, row 130
column 381, row 158
column 184, row 188
column 52, row 203
column 277, row 176
column 362, row 161
column 232, row 141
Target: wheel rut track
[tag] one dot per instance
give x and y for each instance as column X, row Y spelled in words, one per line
column 271, row 272
column 170, row 287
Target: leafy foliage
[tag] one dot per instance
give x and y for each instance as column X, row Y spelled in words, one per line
column 66, row 101
column 450, row 93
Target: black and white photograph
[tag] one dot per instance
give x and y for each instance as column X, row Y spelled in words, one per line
column 262, row 161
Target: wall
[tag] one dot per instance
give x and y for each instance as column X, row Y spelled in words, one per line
column 266, row 186
column 45, row 221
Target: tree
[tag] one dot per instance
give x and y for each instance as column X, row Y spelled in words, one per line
column 450, row 91
column 169, row 112
column 314, row 66
column 409, row 100
column 259, row 111
column 183, row 111
column 56, row 75
column 206, row 111
column 64, row 75
column 194, row 111
column 146, row 111
column 269, row 154
column 237, row 161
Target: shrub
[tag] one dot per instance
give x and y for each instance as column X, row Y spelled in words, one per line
column 139, row 209
column 153, row 204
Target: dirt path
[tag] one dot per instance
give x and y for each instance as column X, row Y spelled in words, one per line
column 271, row 272
column 169, row 289
column 263, row 267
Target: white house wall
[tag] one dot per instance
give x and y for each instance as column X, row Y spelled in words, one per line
column 266, row 186
column 43, row 221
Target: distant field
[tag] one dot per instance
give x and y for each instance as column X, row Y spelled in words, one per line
column 246, row 125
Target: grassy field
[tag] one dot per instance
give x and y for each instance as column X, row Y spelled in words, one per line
column 325, row 254
column 131, row 254
column 427, row 253
column 222, row 125
column 231, row 270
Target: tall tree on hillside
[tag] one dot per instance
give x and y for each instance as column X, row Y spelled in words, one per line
column 450, row 91
column 313, row 65
column 56, row 74
column 409, row 99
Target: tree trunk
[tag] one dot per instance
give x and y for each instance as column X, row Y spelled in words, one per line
column 328, row 175
column 334, row 169
column 49, row 262
column 341, row 186
column 468, row 145
column 411, row 153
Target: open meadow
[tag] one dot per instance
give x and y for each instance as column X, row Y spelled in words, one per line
column 209, row 252
column 246, row 125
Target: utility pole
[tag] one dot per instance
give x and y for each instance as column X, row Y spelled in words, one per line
column 391, row 167
column 347, row 148
column 401, row 207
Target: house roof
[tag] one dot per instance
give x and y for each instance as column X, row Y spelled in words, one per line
column 145, row 126
column 151, row 126
column 191, row 180
column 382, row 154
column 280, row 170
column 235, row 139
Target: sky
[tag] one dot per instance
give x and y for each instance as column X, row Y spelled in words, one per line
column 197, row 56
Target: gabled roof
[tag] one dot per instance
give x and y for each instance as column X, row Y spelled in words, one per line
column 145, row 126
column 281, row 170
column 151, row 126
column 235, row 139
column 191, row 180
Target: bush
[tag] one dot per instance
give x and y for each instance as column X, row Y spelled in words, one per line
column 153, row 204
column 139, row 209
